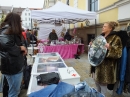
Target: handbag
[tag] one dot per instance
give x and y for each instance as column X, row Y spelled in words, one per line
column 48, row 78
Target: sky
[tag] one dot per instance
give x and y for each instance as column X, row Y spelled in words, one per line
column 23, row 3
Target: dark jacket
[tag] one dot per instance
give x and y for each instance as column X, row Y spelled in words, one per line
column 33, row 39
column 67, row 36
column 127, row 77
column 12, row 59
column 53, row 36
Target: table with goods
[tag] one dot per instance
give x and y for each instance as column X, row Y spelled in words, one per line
column 45, row 63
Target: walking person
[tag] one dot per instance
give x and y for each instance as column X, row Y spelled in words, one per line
column 12, row 52
column 25, row 38
column 33, row 39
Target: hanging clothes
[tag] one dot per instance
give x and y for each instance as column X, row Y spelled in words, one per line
column 127, row 78
column 122, row 70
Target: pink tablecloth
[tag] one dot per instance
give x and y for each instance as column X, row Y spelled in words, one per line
column 80, row 49
column 66, row 51
column 43, row 40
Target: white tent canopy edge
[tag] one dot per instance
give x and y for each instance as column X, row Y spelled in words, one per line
column 62, row 11
column 59, row 11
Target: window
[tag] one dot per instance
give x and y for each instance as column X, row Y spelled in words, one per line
column 29, row 24
column 29, row 19
column 26, row 24
column 25, row 14
column 25, row 19
column 93, row 5
column 29, row 14
column 67, row 2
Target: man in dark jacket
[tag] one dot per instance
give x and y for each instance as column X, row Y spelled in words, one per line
column 53, row 35
column 67, row 36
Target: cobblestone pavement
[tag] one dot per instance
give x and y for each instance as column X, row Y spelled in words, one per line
column 82, row 67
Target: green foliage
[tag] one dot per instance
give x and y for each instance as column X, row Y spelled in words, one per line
column 2, row 18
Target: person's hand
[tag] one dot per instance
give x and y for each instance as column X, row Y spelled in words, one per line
column 107, row 45
column 23, row 48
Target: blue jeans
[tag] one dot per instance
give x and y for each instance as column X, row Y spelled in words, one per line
column 44, row 92
column 1, row 83
column 83, row 86
column 94, row 93
column 62, row 89
column 14, row 82
column 54, row 90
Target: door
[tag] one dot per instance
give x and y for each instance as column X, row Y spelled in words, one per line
column 90, row 37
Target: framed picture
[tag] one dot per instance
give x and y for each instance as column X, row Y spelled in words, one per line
column 52, row 67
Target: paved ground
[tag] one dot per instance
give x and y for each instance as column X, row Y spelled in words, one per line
column 82, row 67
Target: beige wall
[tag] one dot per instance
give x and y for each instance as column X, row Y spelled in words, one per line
column 105, row 3
column 71, row 2
column 82, row 4
column 110, row 15
column 64, row 1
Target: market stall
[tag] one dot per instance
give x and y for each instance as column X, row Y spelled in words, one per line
column 59, row 13
column 53, row 62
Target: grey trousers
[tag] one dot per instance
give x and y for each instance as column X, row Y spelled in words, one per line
column 101, row 88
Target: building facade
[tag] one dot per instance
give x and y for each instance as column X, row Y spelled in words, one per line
column 107, row 10
column 116, row 10
column 26, row 18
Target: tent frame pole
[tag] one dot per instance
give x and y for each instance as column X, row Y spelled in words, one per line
column 69, row 26
column 32, row 38
column 95, row 27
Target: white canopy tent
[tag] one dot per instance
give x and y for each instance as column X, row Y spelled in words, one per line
column 62, row 13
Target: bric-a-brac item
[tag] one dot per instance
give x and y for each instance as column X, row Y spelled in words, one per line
column 97, row 51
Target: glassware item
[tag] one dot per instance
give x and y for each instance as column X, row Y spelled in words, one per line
column 79, row 40
column 49, row 67
column 54, row 42
column 41, row 49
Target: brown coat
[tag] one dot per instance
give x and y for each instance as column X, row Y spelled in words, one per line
column 106, row 71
